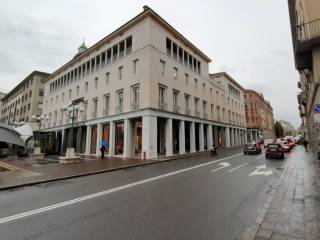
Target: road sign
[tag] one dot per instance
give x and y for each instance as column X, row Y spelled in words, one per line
column 316, row 108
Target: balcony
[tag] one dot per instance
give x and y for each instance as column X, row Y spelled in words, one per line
column 134, row 106
column 188, row 111
column 163, row 106
column 176, row 109
column 308, row 31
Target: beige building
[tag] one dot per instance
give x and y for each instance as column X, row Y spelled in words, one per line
column 2, row 95
column 259, row 116
column 305, row 29
column 146, row 90
column 25, row 100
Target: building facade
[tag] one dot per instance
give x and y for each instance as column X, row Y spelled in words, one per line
column 145, row 89
column 259, row 116
column 2, row 95
column 305, row 29
column 25, row 100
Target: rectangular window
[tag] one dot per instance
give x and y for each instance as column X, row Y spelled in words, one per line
column 41, row 92
column 196, row 83
column 29, row 105
column 175, row 51
column 97, row 62
column 175, row 73
column 96, row 83
column 162, row 67
column 107, row 78
column 128, row 45
column 119, row 101
column 204, row 87
column 168, row 45
column 103, row 58
column 120, row 72
column 135, row 66
column 86, row 86
column 175, row 101
column 135, row 97
column 162, row 92
column 121, row 49
column 30, row 93
column 94, row 106
column 187, row 79
column 93, row 63
column 115, row 53
column 78, row 91
column 63, row 96
column 106, row 104
column 108, row 56
column 57, row 98
column 70, row 93
column 196, row 107
column 180, row 55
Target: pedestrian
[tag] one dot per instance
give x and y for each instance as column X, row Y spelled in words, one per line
column 103, row 147
column 305, row 144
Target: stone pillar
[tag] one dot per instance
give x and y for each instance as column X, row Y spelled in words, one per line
column 99, row 138
column 216, row 135
column 256, row 135
column 201, row 137
column 63, row 134
column 227, row 136
column 88, row 140
column 169, row 137
column 127, row 141
column 79, row 134
column 231, row 137
column 111, row 139
column 182, row 139
column 251, row 136
column 149, row 137
column 209, row 136
column 236, row 137
column 192, row 137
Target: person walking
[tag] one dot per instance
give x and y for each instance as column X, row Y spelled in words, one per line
column 305, row 144
column 103, row 147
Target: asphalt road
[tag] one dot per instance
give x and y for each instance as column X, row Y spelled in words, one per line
column 193, row 198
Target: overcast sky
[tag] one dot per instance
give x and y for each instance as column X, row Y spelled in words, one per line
column 249, row 39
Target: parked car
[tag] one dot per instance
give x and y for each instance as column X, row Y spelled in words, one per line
column 252, row 148
column 4, row 149
column 274, row 150
column 267, row 141
column 297, row 139
column 285, row 146
column 291, row 143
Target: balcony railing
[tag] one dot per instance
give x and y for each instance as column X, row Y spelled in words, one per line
column 163, row 106
column 176, row 109
column 134, row 106
column 188, row 111
column 307, row 31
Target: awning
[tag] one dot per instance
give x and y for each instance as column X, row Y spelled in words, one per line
column 25, row 131
column 9, row 135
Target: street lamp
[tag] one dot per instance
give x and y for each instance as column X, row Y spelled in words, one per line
column 73, row 111
column 38, row 119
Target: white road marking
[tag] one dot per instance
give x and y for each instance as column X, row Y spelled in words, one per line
column 259, row 172
column 98, row 194
column 223, row 165
column 260, row 156
column 233, row 169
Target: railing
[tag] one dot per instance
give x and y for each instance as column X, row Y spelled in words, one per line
column 308, row 30
column 176, row 109
column 188, row 111
column 134, row 106
column 163, row 106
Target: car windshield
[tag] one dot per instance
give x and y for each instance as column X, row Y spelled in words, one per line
column 272, row 146
column 250, row 145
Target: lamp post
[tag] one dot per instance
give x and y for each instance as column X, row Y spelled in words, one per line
column 73, row 111
column 38, row 119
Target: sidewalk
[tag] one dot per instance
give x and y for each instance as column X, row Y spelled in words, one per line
column 292, row 210
column 25, row 172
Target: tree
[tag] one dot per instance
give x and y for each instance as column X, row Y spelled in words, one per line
column 278, row 129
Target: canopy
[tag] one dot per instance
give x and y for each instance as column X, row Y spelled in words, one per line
column 9, row 135
column 25, row 131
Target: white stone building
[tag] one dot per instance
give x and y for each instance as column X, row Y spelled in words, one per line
column 146, row 90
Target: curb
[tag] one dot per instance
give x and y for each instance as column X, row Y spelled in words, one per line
column 168, row 159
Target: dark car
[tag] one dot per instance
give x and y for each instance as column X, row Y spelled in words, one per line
column 252, row 148
column 4, row 149
column 274, row 150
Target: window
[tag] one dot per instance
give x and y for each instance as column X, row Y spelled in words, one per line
column 96, row 83
column 63, row 96
column 187, row 79
column 180, row 55
column 57, row 98
column 175, row 73
column 107, row 78
column 186, row 98
column 121, row 49
column 175, row 99
column 97, row 62
column 119, row 101
column 103, row 58
column 185, row 57
column 93, row 63
column 115, row 53
column 174, row 51
column 135, row 97
column 204, row 87
column 41, row 92
column 196, row 83
column 162, row 67
column 30, row 93
column 94, row 106
column 109, row 56
column 86, row 86
column 128, row 45
column 70, row 93
column 162, row 94
column 78, row 90
column 196, row 104
column 135, row 66
column 210, row 92
column 168, row 45
column 120, row 72
column 106, row 104
column 29, row 105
